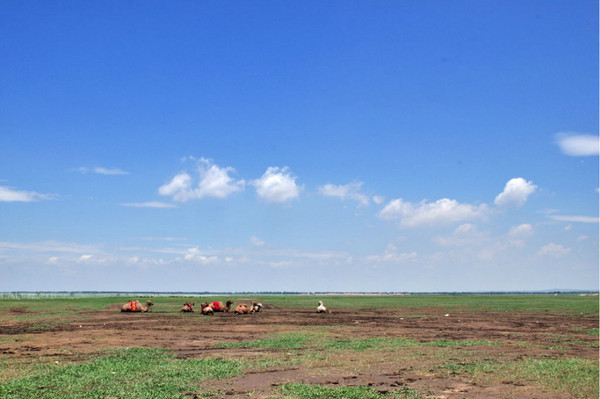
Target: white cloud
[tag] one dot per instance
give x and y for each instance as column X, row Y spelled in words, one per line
column 578, row 145
column 521, row 231
column 257, row 241
column 48, row 246
column 150, row 204
column 575, row 219
column 194, row 254
column 8, row 194
column 133, row 260
column 85, row 258
column 378, row 199
column 178, row 187
column 515, row 192
column 109, row 171
column 443, row 211
column 392, row 255
column 554, row 250
column 349, row 191
column 101, row 170
column 465, row 235
column 214, row 181
column 277, row 185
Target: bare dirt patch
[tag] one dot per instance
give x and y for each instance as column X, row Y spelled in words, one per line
column 516, row 336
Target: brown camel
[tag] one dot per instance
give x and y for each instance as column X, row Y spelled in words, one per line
column 206, row 309
column 242, row 308
column 220, row 306
column 187, row 307
column 136, row 306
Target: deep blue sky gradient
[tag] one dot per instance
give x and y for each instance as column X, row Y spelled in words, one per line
column 415, row 100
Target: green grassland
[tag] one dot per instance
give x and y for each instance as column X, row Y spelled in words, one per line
column 156, row 373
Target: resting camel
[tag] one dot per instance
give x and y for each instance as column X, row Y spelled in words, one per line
column 256, row 307
column 187, row 307
column 221, row 307
column 242, row 308
column 207, row 309
column 136, row 306
column 321, row 308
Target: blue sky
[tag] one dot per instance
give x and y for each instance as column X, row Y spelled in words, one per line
column 299, row 146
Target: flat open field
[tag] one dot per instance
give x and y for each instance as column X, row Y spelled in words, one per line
column 367, row 347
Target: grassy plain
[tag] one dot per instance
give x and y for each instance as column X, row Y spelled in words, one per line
column 412, row 351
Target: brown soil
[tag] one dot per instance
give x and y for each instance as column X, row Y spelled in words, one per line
column 193, row 335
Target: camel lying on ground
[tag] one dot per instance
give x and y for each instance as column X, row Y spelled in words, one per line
column 321, row 308
column 206, row 309
column 209, row 308
column 221, row 307
column 136, row 306
column 256, row 307
column 188, row 307
column 242, row 308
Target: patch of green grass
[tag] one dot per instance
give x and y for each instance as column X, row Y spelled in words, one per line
column 569, row 340
column 304, row 391
column 589, row 331
column 578, row 376
column 282, row 341
column 587, row 305
column 127, row 373
column 376, row 343
column 449, row 343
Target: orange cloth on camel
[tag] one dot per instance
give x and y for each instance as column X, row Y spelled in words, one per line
column 132, row 306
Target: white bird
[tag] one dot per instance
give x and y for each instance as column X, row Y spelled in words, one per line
column 321, row 308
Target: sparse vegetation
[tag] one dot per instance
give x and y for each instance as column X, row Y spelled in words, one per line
column 304, row 391
column 126, row 373
column 340, row 347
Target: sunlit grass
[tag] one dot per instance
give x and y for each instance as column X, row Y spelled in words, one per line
column 578, row 377
column 126, row 373
column 304, row 391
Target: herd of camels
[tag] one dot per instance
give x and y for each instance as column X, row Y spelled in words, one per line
column 209, row 308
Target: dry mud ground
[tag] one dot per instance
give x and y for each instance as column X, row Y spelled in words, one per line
column 519, row 336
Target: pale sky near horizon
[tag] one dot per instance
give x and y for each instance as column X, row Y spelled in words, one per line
column 299, row 146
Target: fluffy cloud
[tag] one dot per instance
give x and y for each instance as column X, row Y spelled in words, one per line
column 443, row 211
column 349, row 191
column 214, row 181
column 194, row 254
column 578, row 145
column 179, row 187
column 8, row 194
column 515, row 192
column 277, row 185
column 521, row 231
column 554, row 250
